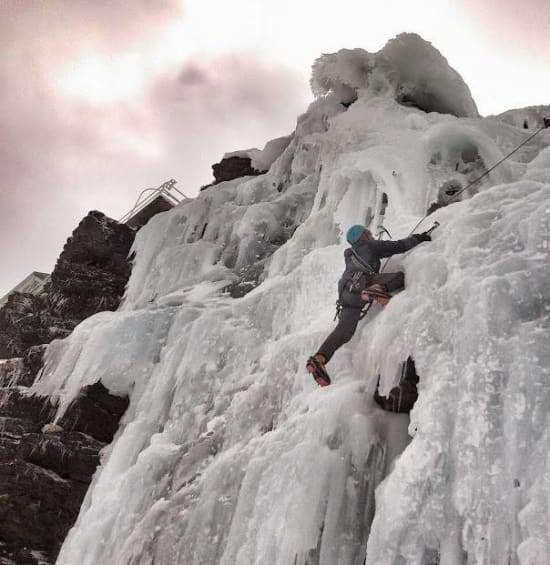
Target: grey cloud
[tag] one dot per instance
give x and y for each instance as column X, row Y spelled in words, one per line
column 233, row 84
column 59, row 25
column 193, row 75
column 60, row 158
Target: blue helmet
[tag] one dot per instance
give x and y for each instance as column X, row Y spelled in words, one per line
column 354, row 233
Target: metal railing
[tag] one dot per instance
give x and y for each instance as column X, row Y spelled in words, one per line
column 168, row 190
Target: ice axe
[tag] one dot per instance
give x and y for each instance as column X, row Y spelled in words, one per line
column 382, row 231
column 436, row 225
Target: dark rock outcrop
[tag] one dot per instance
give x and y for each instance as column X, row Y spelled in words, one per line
column 31, row 412
column 72, row 456
column 92, row 271
column 156, row 206
column 90, row 276
column 233, row 168
column 25, row 320
column 10, row 370
column 32, row 363
column 22, row 371
column 45, row 475
column 45, row 469
column 403, row 396
column 95, row 412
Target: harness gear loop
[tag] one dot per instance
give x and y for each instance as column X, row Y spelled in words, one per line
column 363, row 313
column 338, row 310
column 365, row 310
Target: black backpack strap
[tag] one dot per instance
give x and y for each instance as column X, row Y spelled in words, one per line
column 359, row 263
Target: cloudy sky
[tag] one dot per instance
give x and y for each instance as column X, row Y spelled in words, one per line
column 101, row 99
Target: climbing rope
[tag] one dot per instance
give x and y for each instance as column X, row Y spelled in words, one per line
column 366, row 308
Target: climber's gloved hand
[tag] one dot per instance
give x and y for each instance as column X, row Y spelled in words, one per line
column 424, row 236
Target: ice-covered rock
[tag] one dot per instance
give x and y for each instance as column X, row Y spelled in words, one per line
column 261, row 160
column 249, row 162
column 234, row 166
column 408, row 68
column 228, row 452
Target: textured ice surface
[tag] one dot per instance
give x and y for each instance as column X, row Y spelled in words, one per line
column 230, row 454
column 408, row 68
column 262, row 160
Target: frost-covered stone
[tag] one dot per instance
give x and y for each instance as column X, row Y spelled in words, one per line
column 408, row 68
column 261, row 160
column 234, row 167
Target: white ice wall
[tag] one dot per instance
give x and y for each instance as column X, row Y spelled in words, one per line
column 230, row 454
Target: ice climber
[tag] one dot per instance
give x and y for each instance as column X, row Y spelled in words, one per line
column 360, row 283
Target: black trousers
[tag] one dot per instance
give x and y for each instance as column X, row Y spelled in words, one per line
column 351, row 311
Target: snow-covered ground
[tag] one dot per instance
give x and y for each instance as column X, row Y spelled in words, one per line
column 229, row 453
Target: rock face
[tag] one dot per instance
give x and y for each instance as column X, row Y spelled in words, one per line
column 90, row 276
column 93, row 269
column 158, row 205
column 44, row 476
column 45, row 469
column 9, row 371
column 25, row 321
column 233, row 168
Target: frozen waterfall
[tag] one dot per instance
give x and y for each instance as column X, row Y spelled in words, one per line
column 229, row 453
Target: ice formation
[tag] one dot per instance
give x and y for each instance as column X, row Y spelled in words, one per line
column 408, row 67
column 229, row 453
column 261, row 160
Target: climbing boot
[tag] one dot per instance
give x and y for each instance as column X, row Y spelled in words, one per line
column 316, row 366
column 376, row 292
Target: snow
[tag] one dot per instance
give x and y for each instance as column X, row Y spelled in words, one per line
column 532, row 117
column 262, row 160
column 230, row 454
column 408, row 68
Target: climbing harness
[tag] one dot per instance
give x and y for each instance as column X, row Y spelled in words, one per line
column 338, row 309
column 363, row 313
column 354, row 281
column 364, row 268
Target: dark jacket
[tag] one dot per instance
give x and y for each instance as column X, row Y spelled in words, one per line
column 370, row 253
